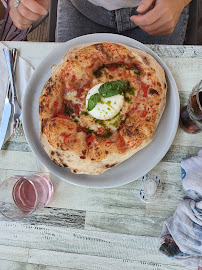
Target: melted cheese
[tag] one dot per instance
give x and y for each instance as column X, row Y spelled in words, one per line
column 107, row 108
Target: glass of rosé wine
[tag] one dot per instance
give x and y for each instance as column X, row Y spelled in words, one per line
column 191, row 114
column 20, row 195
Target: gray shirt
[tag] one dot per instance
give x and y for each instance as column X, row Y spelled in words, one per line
column 115, row 4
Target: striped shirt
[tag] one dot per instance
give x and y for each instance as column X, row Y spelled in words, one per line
column 8, row 31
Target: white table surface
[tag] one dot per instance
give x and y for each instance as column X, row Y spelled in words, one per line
column 101, row 229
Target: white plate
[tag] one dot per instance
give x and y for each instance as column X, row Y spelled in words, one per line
column 129, row 170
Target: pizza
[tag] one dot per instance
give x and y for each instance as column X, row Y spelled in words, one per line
column 101, row 105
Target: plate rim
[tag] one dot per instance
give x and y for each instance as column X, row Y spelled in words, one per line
column 107, row 38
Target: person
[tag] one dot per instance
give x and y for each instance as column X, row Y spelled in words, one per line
column 14, row 27
column 149, row 21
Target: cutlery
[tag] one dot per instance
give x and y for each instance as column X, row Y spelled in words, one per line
column 16, row 107
column 7, row 107
column 5, row 117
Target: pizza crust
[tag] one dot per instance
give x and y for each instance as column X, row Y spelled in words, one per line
column 68, row 158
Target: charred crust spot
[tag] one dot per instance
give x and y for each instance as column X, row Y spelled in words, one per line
column 128, row 132
column 153, row 91
column 53, row 123
column 41, row 107
column 52, row 153
column 44, row 121
column 82, row 157
column 106, row 152
column 92, row 159
column 84, row 151
column 55, row 161
column 110, row 166
column 65, row 165
column 129, row 57
column 165, row 85
column 136, row 129
column 76, row 57
column 148, row 74
column 146, row 60
column 158, row 83
column 57, row 154
column 75, row 171
column 100, row 47
column 48, row 90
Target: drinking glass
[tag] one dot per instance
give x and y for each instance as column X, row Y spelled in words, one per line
column 151, row 188
column 22, row 195
column 191, row 114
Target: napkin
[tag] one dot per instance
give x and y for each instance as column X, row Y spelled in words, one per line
column 23, row 73
column 181, row 236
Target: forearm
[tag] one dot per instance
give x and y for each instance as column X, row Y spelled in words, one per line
column 2, row 11
column 186, row 2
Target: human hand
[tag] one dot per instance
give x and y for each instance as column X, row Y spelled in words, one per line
column 162, row 18
column 27, row 12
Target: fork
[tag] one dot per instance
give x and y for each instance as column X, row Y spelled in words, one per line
column 17, row 114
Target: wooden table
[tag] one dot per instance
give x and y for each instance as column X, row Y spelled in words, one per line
column 95, row 229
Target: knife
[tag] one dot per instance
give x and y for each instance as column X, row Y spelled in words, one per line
column 5, row 120
column 6, row 111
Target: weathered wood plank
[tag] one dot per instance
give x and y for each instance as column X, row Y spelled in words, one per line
column 13, row 253
column 59, row 217
column 176, row 51
column 178, row 152
column 189, row 140
column 133, row 225
column 16, row 146
column 172, row 193
column 19, row 160
column 186, row 72
column 87, row 262
column 10, row 265
column 91, row 243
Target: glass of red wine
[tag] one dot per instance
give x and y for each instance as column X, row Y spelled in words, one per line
column 20, row 195
column 191, row 114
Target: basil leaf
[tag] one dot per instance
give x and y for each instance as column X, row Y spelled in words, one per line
column 113, row 88
column 68, row 110
column 137, row 71
column 130, row 90
column 97, row 73
column 93, row 100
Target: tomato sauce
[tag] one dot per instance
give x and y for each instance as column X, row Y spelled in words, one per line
column 144, row 113
column 90, row 138
column 55, row 105
column 120, row 140
column 144, row 88
column 65, row 135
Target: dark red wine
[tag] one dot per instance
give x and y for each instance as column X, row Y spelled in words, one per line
column 191, row 115
column 186, row 123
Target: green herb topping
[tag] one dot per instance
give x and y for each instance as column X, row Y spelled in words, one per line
column 68, row 110
column 113, row 88
column 137, row 71
column 93, row 100
column 108, row 89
